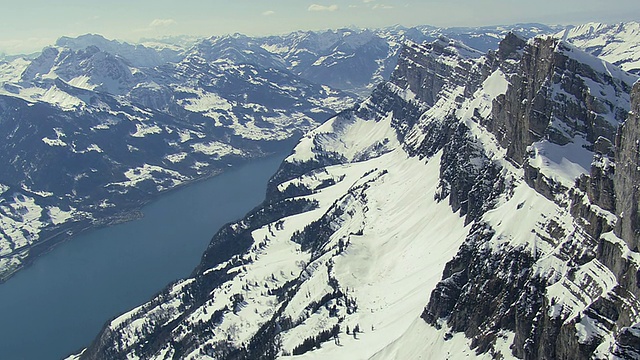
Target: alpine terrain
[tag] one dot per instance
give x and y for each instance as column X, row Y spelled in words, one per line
column 477, row 204
column 96, row 127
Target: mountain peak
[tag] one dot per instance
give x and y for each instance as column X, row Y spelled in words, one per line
column 83, row 41
column 137, row 55
column 511, row 45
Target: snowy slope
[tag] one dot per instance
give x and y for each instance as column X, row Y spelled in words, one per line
column 618, row 44
column 383, row 300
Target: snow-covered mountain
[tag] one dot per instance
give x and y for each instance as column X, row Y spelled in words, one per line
column 475, row 205
column 120, row 124
column 487, row 38
column 408, row 217
column 356, row 60
column 140, row 56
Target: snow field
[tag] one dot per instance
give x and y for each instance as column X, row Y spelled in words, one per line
column 391, row 268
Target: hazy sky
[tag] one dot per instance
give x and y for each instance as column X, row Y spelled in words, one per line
column 28, row 25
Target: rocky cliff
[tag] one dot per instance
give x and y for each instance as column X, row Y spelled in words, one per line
column 627, row 175
column 565, row 292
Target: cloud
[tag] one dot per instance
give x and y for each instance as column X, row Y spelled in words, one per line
column 367, row 1
column 382, row 7
column 268, row 13
column 24, row 46
column 316, row 7
column 162, row 23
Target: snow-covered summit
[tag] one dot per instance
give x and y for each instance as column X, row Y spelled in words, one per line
column 137, row 55
column 237, row 48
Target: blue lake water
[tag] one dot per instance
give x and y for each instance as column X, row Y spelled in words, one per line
column 59, row 304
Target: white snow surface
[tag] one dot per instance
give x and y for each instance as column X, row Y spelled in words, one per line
column 562, row 163
column 353, row 139
column 216, row 149
column 616, row 43
column 10, row 71
column 82, row 82
column 205, row 102
column 25, row 224
column 61, row 98
column 146, row 173
column 407, row 238
column 143, row 130
column 423, row 342
column 59, row 216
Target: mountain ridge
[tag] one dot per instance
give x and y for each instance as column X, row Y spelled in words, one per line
column 286, row 279
column 189, row 85
column 123, row 134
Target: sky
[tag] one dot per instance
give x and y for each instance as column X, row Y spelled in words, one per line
column 28, row 26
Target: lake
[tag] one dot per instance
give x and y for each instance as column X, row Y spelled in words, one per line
column 59, row 304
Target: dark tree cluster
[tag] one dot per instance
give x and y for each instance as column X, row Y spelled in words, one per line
column 315, row 342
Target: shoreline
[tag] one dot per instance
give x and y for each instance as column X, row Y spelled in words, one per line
column 71, row 230
column 72, row 292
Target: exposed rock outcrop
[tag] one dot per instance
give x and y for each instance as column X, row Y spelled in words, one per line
column 550, row 97
column 627, row 177
column 551, row 104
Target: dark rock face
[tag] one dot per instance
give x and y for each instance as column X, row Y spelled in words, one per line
column 627, row 175
column 510, row 46
column 628, row 343
column 470, row 189
column 549, row 98
column 425, row 84
column 600, row 188
column 426, row 76
column 521, row 116
column 474, row 273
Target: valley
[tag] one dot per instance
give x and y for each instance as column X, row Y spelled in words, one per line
column 63, row 299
